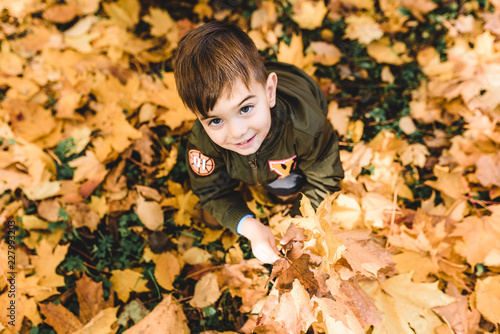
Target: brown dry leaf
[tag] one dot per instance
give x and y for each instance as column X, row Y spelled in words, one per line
column 287, row 270
column 247, row 279
column 90, row 298
column 166, row 318
column 83, row 216
column 294, row 310
column 460, row 318
column 363, row 254
column 206, row 291
column 60, row 318
column 166, row 270
column 144, row 145
column 126, row 281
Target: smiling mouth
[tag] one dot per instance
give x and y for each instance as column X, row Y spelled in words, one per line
column 243, row 143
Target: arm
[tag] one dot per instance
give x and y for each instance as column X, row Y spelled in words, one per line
column 213, row 185
column 321, row 165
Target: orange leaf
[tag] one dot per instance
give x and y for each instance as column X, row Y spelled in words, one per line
column 57, row 316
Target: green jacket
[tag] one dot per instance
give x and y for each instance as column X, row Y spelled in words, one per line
column 300, row 137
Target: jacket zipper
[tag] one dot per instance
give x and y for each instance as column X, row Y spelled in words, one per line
column 253, row 164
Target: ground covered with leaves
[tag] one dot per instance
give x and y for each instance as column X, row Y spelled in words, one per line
column 101, row 233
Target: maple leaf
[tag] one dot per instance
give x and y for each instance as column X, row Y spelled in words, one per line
column 126, row 281
column 364, row 28
column 309, row 14
column 167, row 317
column 288, row 269
column 47, row 260
column 406, row 306
column 96, row 315
column 294, row 54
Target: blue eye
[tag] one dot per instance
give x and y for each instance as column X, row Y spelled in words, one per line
column 246, row 109
column 215, row 121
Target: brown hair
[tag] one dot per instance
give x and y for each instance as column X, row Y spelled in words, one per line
column 210, row 59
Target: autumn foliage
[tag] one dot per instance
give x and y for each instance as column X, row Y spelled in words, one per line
column 110, row 239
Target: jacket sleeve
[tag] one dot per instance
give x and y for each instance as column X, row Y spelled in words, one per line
column 211, row 182
column 321, row 165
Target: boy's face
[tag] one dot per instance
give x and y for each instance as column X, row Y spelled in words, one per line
column 240, row 122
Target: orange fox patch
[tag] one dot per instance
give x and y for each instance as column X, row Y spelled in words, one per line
column 283, row 167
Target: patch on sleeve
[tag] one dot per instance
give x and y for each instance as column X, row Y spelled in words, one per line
column 200, row 163
column 283, row 167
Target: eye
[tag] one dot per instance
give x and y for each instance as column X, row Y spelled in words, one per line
column 246, row 109
column 215, row 122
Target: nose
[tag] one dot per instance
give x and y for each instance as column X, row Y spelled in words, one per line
column 237, row 128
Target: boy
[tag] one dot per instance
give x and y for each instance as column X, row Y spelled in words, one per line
column 258, row 126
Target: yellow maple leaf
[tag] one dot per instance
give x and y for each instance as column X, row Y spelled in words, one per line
column 46, row 262
column 123, row 12
column 363, row 27
column 162, row 24
column 126, row 281
column 406, row 306
column 309, row 14
column 10, row 63
column 294, row 54
column 383, row 52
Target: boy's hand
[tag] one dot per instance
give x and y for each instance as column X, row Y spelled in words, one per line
column 261, row 239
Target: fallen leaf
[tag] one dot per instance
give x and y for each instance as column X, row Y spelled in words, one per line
column 488, row 298
column 149, row 213
column 166, row 270
column 60, row 318
column 126, row 281
column 206, row 291
column 166, row 318
column 309, row 14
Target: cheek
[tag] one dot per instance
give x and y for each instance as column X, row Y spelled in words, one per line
column 216, row 136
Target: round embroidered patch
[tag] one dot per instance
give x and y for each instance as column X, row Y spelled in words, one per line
column 200, row 163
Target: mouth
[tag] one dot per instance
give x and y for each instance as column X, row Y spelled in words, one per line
column 246, row 143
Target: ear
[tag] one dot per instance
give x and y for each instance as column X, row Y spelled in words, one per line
column 271, row 84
